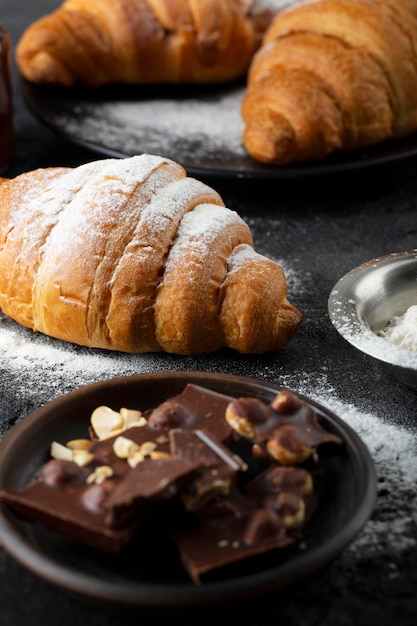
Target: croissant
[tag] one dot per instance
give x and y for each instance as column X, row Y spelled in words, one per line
column 95, row 42
column 135, row 256
column 332, row 75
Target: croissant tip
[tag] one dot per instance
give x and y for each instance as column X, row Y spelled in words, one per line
column 268, row 140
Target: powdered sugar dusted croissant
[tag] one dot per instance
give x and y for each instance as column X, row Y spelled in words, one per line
column 332, row 75
column 133, row 255
column 94, row 42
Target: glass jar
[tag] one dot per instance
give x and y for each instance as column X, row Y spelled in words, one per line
column 6, row 116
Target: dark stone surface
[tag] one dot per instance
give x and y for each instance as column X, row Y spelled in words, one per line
column 321, row 228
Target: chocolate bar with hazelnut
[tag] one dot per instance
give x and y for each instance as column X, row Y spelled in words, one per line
column 95, row 505
column 286, row 429
column 194, row 408
column 105, row 501
column 230, row 530
column 219, row 466
column 268, row 513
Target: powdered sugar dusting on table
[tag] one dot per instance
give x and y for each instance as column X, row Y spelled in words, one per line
column 200, row 125
column 49, row 363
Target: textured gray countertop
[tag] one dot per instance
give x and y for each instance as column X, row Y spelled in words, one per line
column 319, row 228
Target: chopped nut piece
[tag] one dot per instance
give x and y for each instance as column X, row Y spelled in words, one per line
column 291, row 516
column 147, row 447
column 157, row 454
column 109, row 423
column 286, row 402
column 100, row 474
column 135, row 458
column 78, row 444
column 308, row 486
column 124, row 447
column 131, row 417
column 239, row 423
column 138, row 423
column 105, row 421
column 60, row 452
column 287, row 451
column 82, row 457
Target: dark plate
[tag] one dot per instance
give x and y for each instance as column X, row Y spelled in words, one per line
column 152, row 577
column 199, row 127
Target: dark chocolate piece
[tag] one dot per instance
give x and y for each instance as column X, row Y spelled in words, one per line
column 219, row 465
column 287, row 428
column 292, row 492
column 63, row 501
column 280, row 479
column 195, row 408
column 147, row 484
column 228, row 531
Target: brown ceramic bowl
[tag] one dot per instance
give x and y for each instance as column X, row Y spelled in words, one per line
column 131, row 582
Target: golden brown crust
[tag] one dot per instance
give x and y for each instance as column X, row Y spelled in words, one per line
column 17, row 270
column 264, row 305
column 332, row 75
column 96, row 42
column 133, row 255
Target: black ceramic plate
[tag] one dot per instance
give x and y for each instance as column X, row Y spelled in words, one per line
column 152, row 577
column 199, row 127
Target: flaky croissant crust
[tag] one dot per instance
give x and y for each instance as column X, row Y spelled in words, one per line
column 332, row 75
column 133, row 255
column 95, row 42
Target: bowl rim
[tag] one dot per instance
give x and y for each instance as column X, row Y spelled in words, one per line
column 343, row 309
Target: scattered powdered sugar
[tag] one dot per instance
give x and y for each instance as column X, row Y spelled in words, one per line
column 47, row 363
column 104, row 184
column 47, row 359
column 387, row 443
column 402, row 329
column 240, row 256
column 206, row 124
column 394, row 452
column 258, row 6
column 199, row 228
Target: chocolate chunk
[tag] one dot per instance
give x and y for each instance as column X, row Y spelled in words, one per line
column 293, row 492
column 194, row 408
column 288, row 428
column 280, row 479
column 219, row 465
column 69, row 508
column 229, row 532
column 149, row 483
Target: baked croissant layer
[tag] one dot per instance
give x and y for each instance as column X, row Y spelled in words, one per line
column 332, row 75
column 95, row 42
column 133, row 255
